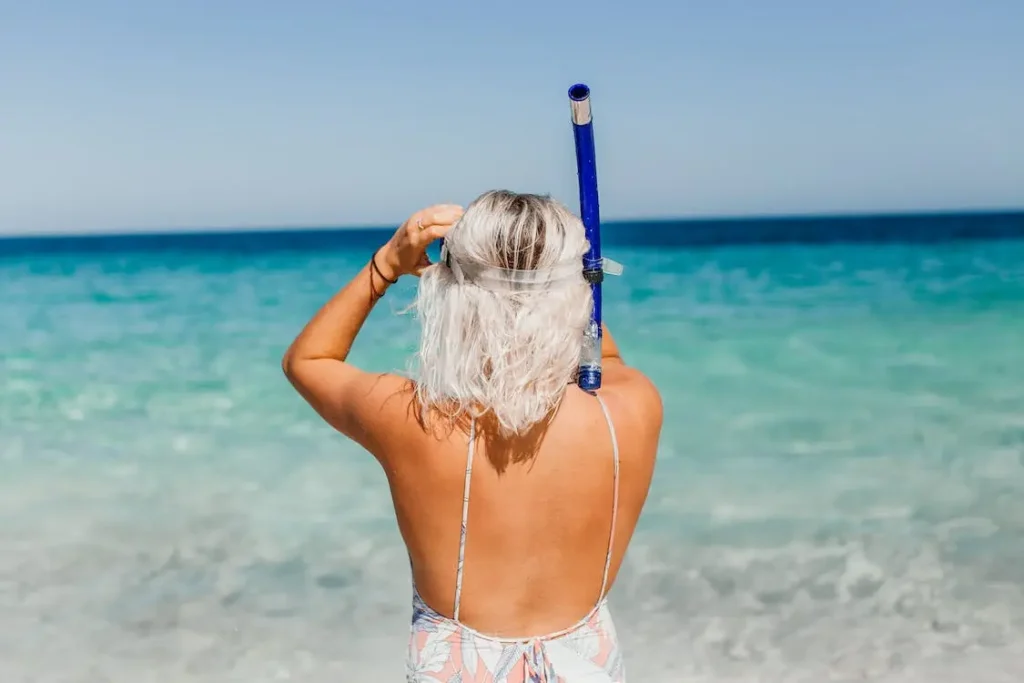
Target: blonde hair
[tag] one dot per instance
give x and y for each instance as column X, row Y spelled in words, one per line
column 504, row 313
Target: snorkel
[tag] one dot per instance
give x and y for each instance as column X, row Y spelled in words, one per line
column 589, row 378
column 594, row 266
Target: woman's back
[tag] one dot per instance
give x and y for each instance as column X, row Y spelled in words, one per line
column 539, row 511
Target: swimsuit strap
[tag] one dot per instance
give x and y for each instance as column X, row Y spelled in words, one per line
column 615, row 496
column 465, row 509
column 465, row 517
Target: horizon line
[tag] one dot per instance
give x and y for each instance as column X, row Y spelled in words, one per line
column 693, row 219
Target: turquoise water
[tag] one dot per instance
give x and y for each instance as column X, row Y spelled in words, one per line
column 839, row 493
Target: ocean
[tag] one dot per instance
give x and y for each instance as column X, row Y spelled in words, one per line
column 839, row 493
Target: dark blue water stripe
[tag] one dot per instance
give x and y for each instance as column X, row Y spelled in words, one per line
column 911, row 228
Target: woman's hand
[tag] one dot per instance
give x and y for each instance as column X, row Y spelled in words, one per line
column 406, row 252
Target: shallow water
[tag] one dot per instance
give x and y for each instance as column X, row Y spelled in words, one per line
column 839, row 494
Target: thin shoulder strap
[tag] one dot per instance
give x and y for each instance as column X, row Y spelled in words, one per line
column 465, row 516
column 615, row 496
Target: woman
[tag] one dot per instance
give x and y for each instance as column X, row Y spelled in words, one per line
column 509, row 584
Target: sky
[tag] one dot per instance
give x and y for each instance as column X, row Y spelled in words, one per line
column 156, row 115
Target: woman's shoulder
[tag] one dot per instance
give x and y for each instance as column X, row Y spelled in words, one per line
column 631, row 403
column 633, row 393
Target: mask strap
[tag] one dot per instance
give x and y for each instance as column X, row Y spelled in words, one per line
column 495, row 278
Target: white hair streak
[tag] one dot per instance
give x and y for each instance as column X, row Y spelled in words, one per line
column 505, row 351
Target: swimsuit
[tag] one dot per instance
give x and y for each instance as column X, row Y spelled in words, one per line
column 443, row 650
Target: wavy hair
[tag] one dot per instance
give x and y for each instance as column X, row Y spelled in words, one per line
column 504, row 314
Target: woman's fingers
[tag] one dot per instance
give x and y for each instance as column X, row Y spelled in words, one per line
column 423, row 227
column 434, row 232
column 442, row 214
column 433, row 223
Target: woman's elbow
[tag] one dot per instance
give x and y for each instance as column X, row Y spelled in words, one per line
column 288, row 364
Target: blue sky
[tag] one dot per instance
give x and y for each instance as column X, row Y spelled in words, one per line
column 201, row 113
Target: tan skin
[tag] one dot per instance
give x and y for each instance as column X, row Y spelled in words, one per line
column 540, row 506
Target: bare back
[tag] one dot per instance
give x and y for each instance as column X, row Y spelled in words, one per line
column 540, row 510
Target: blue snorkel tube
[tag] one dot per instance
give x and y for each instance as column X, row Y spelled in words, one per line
column 589, row 378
